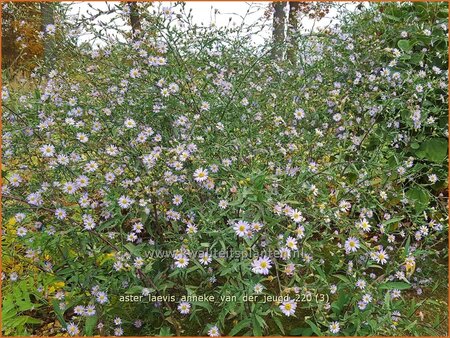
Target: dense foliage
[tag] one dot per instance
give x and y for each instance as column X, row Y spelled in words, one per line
column 183, row 161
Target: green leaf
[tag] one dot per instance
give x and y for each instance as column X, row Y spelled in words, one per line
column 407, row 245
column 314, row 327
column 134, row 289
column 18, row 322
column 391, row 17
column 133, row 249
column 419, row 197
column 257, row 329
column 278, row 323
column 59, row 313
column 90, row 325
column 239, row 201
column 165, row 332
column 373, row 324
column 8, row 304
column 387, row 301
column 434, row 150
column 297, row 331
column 404, row 45
column 205, row 305
column 223, row 313
column 393, row 220
column 394, row 285
column 31, row 320
column 416, row 58
column 307, row 332
column 339, row 304
column 148, row 268
column 343, row 278
column 301, row 331
column 320, row 271
column 240, row 326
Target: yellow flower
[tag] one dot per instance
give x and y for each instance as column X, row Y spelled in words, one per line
column 410, row 268
column 59, row 285
column 10, row 226
column 102, row 259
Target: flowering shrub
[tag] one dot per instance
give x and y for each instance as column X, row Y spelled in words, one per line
column 179, row 181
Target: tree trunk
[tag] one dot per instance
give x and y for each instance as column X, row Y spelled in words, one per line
column 292, row 30
column 279, row 28
column 134, row 18
column 47, row 19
